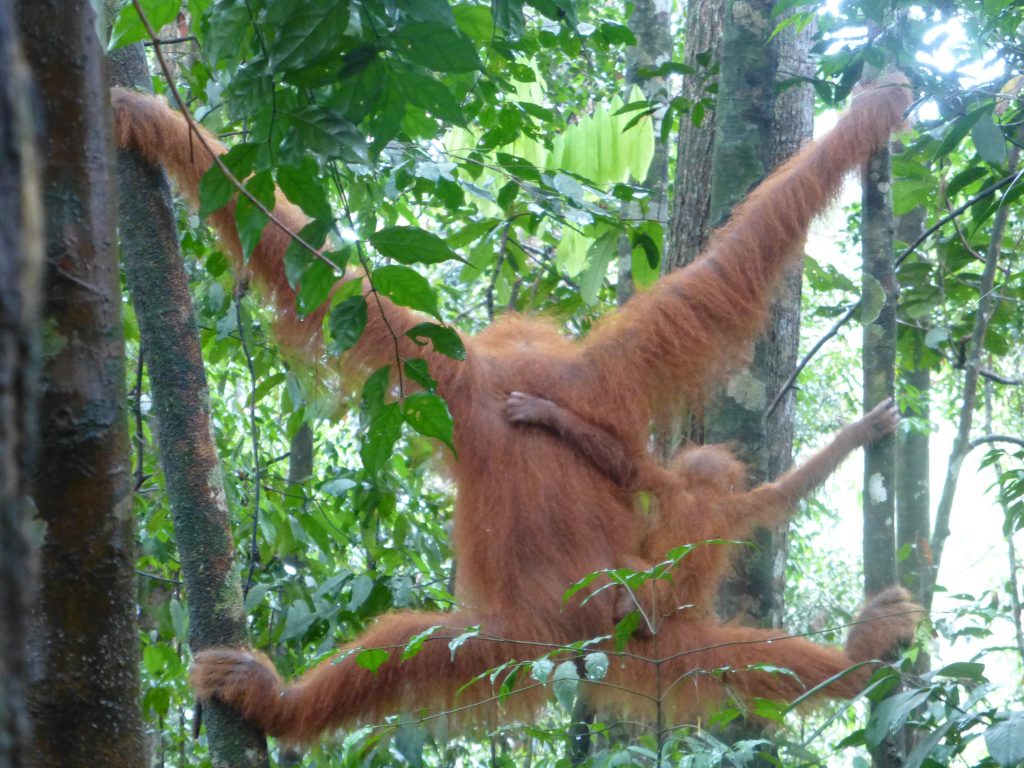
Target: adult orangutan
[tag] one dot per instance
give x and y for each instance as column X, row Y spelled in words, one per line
column 700, row 497
column 532, row 515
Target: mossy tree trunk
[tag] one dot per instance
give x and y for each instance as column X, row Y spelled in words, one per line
column 84, row 694
column 158, row 285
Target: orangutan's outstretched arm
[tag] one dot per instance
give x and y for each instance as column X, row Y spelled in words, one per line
column 696, row 323
column 162, row 136
column 772, row 503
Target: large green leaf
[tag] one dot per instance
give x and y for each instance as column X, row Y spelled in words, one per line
column 406, row 287
column 411, row 245
column 439, row 47
column 128, row 26
column 305, row 31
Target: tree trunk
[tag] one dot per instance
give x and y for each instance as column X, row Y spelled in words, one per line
column 158, row 284
column 651, row 24
column 756, row 131
column 84, row 695
column 688, row 227
column 913, row 500
column 21, row 265
column 879, row 362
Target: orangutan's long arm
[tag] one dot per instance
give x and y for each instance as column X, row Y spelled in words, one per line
column 697, row 322
column 162, row 136
column 772, row 503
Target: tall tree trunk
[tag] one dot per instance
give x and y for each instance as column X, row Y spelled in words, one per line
column 913, row 500
column 756, row 131
column 21, row 265
column 879, row 363
column 651, row 24
column 158, row 284
column 84, row 696
column 879, row 370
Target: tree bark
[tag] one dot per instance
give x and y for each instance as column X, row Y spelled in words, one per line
column 651, row 24
column 756, row 131
column 913, row 499
column 158, row 284
column 879, row 364
column 84, row 695
column 688, row 227
column 21, row 265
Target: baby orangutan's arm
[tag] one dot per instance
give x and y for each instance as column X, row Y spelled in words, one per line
column 603, row 449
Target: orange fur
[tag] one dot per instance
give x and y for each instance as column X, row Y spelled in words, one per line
column 531, row 517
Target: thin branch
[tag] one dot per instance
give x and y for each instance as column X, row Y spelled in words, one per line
column 987, row 439
column 987, row 303
column 254, row 436
column 843, row 320
column 170, row 41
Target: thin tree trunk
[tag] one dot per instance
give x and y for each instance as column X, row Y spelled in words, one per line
column 879, row 371
column 879, row 364
column 651, row 24
column 21, row 265
column 913, row 499
column 158, row 284
column 987, row 301
column 84, row 696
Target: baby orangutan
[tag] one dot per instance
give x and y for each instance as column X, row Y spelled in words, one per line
column 701, row 496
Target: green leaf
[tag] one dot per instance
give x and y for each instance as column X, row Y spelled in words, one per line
column 297, row 258
column 215, row 189
column 1005, row 741
column 416, row 369
column 432, row 96
column 958, row 130
column 412, row 245
column 889, row 716
column 409, row 742
column 565, row 682
column 249, row 218
column 416, row 643
column 437, row 46
column 371, row 658
column 625, row 628
column 428, row 414
column 989, row 140
column 128, row 26
column 179, row 620
column 406, row 288
column 345, row 324
column 255, row 596
column 298, row 621
column 599, row 256
column 302, row 187
column 446, row 340
column 308, row 31
column 970, row 670
column 378, row 443
column 596, row 665
column 541, row 670
column 315, row 286
column 323, row 131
